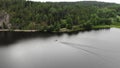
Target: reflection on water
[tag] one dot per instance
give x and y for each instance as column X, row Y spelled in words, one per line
column 7, row 38
column 88, row 49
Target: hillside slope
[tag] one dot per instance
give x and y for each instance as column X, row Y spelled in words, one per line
column 60, row 16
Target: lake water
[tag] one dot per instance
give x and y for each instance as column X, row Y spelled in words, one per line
column 87, row 49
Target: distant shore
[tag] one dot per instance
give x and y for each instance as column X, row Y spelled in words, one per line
column 18, row 30
column 64, row 30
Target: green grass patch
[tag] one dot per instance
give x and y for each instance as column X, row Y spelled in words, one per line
column 116, row 26
column 101, row 27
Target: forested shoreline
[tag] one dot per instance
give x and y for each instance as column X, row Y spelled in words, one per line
column 60, row 16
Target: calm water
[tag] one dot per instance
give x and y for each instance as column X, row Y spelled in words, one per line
column 88, row 49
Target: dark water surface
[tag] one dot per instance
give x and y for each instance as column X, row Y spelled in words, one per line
column 88, row 49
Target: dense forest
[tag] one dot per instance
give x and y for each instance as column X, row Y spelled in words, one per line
column 60, row 16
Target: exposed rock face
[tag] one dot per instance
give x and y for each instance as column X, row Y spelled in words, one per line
column 4, row 20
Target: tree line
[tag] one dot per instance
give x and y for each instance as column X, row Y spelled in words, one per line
column 53, row 16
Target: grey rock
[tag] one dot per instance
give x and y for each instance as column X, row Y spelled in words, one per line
column 4, row 20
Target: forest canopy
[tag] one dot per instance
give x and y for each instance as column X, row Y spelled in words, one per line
column 56, row 16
